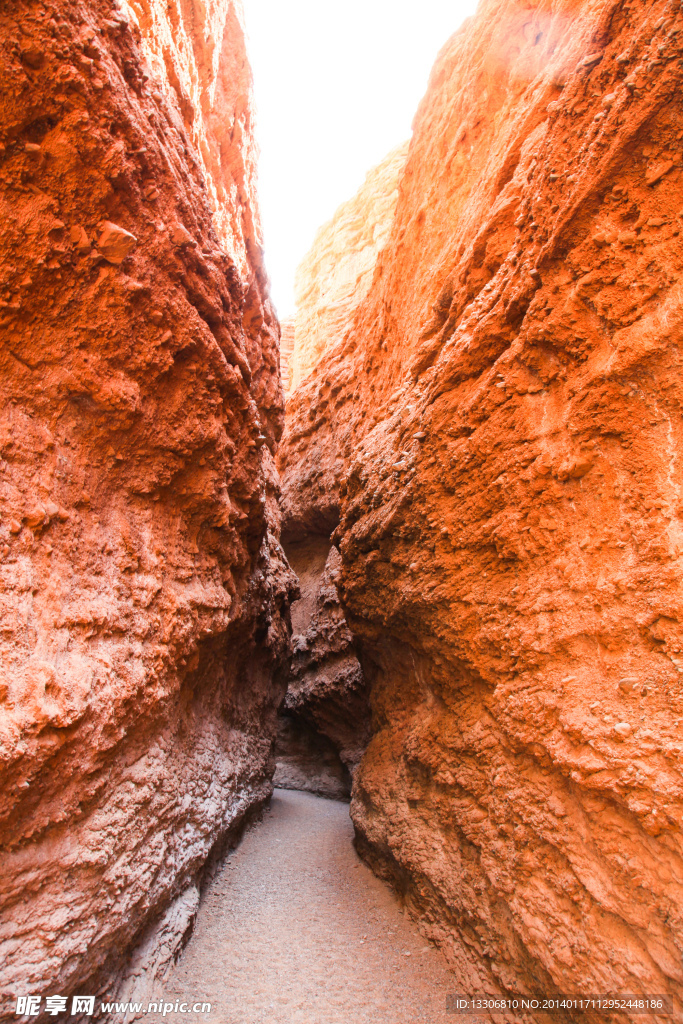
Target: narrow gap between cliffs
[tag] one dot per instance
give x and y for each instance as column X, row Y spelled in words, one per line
column 324, row 722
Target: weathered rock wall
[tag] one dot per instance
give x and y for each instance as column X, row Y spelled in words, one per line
column 500, row 438
column 336, row 274
column 143, row 590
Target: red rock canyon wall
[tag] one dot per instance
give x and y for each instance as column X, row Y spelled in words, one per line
column 499, row 440
column 143, row 589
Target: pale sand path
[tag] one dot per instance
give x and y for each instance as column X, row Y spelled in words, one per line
column 295, row 929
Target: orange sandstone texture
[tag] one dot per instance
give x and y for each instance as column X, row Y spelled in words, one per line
column 500, row 441
column 337, row 272
column 143, row 589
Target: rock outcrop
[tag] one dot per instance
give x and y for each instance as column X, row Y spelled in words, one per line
column 500, row 440
column 143, row 587
column 337, row 273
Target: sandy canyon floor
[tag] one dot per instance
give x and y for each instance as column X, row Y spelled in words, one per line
column 295, row 929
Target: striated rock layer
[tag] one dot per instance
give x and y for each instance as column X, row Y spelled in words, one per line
column 143, row 589
column 499, row 440
column 337, row 272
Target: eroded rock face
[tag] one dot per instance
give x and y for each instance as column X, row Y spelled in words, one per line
column 500, row 435
column 337, row 272
column 143, row 587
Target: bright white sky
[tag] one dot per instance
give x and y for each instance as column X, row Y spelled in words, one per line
column 337, row 83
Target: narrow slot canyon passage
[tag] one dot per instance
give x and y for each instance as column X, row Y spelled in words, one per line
column 295, row 929
column 381, row 590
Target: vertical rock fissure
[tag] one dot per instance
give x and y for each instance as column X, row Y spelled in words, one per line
column 479, row 482
column 324, row 721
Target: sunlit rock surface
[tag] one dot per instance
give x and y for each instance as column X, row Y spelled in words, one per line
column 142, row 584
column 499, row 437
column 337, row 272
column 287, row 333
